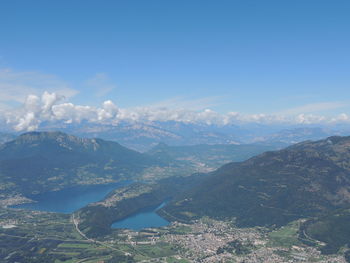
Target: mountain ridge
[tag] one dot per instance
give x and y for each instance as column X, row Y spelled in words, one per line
column 45, row 161
column 275, row 187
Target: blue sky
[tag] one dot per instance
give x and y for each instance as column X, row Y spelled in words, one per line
column 273, row 57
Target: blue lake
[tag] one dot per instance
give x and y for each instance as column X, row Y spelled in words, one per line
column 71, row 199
column 144, row 219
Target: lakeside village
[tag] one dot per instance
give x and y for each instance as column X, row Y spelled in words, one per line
column 204, row 240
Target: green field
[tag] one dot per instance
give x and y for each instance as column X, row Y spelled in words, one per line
column 286, row 236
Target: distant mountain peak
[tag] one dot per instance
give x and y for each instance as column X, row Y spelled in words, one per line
column 50, row 135
column 57, row 137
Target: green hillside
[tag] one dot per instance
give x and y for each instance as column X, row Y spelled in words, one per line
column 273, row 188
column 333, row 229
column 44, row 161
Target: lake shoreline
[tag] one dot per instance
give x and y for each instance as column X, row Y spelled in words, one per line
column 145, row 215
column 69, row 199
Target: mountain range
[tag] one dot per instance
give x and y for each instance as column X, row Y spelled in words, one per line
column 309, row 180
column 38, row 162
column 273, row 188
column 142, row 136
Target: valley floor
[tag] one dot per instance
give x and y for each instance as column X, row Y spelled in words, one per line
column 29, row 236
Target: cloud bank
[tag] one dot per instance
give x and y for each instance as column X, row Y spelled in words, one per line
column 50, row 107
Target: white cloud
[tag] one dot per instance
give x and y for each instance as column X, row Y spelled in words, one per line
column 108, row 111
column 49, row 107
column 48, row 102
column 28, row 122
column 309, row 119
column 70, row 113
column 343, row 117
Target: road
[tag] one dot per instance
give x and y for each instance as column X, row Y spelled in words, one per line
column 76, row 224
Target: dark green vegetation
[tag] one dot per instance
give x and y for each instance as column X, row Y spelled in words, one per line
column 38, row 162
column 96, row 219
column 44, row 161
column 333, row 229
column 274, row 188
column 236, row 247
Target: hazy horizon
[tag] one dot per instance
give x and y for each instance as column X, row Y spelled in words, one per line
column 227, row 62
